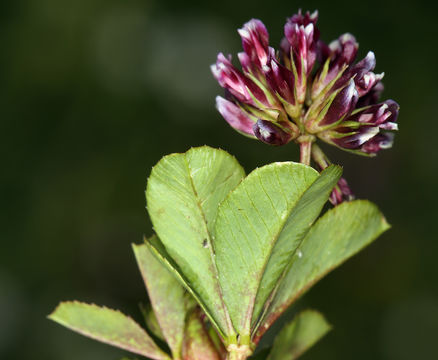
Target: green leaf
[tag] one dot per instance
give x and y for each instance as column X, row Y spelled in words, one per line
column 197, row 343
column 183, row 193
column 339, row 234
column 300, row 219
column 167, row 298
column 258, row 228
column 299, row 335
column 108, row 326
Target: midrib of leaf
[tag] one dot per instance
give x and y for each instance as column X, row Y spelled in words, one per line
column 270, row 320
column 276, row 237
column 231, row 330
column 277, row 286
column 271, row 297
column 283, row 274
column 290, row 212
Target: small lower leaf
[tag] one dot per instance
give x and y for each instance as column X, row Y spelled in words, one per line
column 151, row 321
column 108, row 326
column 197, row 342
column 166, row 295
column 299, row 335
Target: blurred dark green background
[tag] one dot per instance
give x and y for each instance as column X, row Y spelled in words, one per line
column 95, row 92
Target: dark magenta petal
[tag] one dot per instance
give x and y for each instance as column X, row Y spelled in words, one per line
column 282, row 81
column 341, row 53
column 302, row 35
column 255, row 42
column 322, row 52
column 245, row 61
column 230, row 78
column 367, row 64
column 239, row 85
column 394, row 107
column 305, row 19
column 342, row 105
column 354, row 142
column 270, row 133
column 372, row 97
column 368, row 139
column 383, row 115
column 235, row 116
column 344, row 50
column 364, row 77
column 379, row 142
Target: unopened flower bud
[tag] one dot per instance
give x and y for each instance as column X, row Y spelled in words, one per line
column 301, row 48
column 341, row 192
column 255, row 42
column 339, row 55
column 270, row 133
column 362, row 74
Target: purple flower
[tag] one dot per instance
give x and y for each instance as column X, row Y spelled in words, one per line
column 341, row 192
column 366, row 130
column 263, row 90
column 255, row 43
column 335, row 59
column 363, row 76
column 300, row 49
column 236, row 83
column 307, row 90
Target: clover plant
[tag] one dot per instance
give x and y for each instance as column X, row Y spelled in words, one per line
column 231, row 252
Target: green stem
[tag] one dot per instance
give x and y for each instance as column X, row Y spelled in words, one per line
column 305, row 142
column 305, row 151
column 319, row 157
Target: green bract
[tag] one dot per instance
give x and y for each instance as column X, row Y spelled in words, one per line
column 245, row 248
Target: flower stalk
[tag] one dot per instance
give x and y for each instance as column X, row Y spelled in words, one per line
column 305, row 142
column 341, row 191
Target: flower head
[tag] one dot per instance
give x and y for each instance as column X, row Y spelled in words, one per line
column 306, row 91
column 306, row 88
